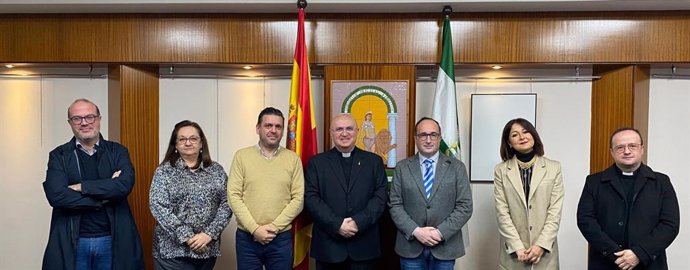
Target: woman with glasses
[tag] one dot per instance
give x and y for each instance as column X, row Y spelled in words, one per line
column 188, row 199
column 528, row 189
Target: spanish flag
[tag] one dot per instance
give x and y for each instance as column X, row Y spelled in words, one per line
column 301, row 136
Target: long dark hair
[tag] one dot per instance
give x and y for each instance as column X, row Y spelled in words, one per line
column 508, row 152
column 172, row 156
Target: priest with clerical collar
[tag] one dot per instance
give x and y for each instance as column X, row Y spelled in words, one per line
column 628, row 213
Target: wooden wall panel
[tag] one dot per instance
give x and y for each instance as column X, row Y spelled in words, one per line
column 137, row 89
column 619, row 99
column 641, row 77
column 573, row 37
column 612, row 107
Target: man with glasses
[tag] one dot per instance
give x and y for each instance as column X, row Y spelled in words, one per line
column 430, row 201
column 345, row 193
column 266, row 192
column 87, row 184
column 628, row 213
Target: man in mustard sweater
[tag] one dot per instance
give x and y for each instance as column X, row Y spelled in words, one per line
column 266, row 192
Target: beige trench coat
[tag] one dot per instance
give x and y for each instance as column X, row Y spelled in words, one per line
column 522, row 225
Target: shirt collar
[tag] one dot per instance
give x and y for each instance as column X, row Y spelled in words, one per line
column 433, row 158
column 82, row 148
column 275, row 152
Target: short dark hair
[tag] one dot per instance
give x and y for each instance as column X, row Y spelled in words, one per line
column 269, row 111
column 507, row 152
column 98, row 111
column 416, row 125
column 624, row 129
column 172, row 156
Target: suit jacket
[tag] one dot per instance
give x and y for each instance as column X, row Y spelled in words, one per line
column 448, row 208
column 105, row 192
column 522, row 225
column 654, row 218
column 330, row 198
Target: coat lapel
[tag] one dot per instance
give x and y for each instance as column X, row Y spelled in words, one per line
column 334, row 161
column 515, row 180
column 611, row 176
column 356, row 166
column 416, row 172
column 538, row 174
column 645, row 174
column 440, row 175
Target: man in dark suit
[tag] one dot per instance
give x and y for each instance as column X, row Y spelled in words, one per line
column 430, row 201
column 628, row 213
column 345, row 193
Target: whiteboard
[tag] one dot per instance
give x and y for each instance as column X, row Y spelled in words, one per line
column 490, row 112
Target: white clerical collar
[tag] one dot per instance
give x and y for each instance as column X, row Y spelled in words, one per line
column 345, row 154
column 628, row 173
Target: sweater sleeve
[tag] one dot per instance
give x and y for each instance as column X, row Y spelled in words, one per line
column 236, row 192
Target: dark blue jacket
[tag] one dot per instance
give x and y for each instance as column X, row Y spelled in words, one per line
column 105, row 192
column 653, row 218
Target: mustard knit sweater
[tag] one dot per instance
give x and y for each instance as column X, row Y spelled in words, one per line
column 265, row 191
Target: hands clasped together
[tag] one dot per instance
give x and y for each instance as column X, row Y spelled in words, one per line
column 199, row 242
column 531, row 255
column 348, row 228
column 428, row 236
column 626, row 259
column 264, row 234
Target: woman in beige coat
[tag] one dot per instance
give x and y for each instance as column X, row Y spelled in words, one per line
column 529, row 196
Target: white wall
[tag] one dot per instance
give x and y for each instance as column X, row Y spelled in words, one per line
column 33, row 117
column 668, row 151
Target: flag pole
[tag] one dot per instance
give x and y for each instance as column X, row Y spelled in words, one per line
column 447, row 10
column 301, row 134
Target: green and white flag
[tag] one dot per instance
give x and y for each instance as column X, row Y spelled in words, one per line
column 445, row 107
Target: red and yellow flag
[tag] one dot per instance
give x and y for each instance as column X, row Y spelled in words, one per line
column 301, row 136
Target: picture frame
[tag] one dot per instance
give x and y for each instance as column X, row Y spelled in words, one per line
column 383, row 114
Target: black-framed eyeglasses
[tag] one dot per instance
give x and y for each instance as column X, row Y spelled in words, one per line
column 631, row 146
column 192, row 140
column 76, row 120
column 433, row 136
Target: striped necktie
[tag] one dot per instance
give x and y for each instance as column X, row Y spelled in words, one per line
column 428, row 176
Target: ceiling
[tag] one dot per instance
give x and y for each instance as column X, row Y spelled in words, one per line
column 330, row 6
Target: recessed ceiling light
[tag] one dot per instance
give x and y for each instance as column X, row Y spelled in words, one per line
column 247, row 67
column 497, row 67
column 9, row 66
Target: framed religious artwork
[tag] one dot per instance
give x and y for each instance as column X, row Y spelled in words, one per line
column 382, row 112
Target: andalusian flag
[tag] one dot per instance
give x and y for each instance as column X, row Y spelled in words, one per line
column 445, row 108
column 301, row 136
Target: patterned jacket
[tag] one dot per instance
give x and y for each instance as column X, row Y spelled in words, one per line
column 185, row 203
